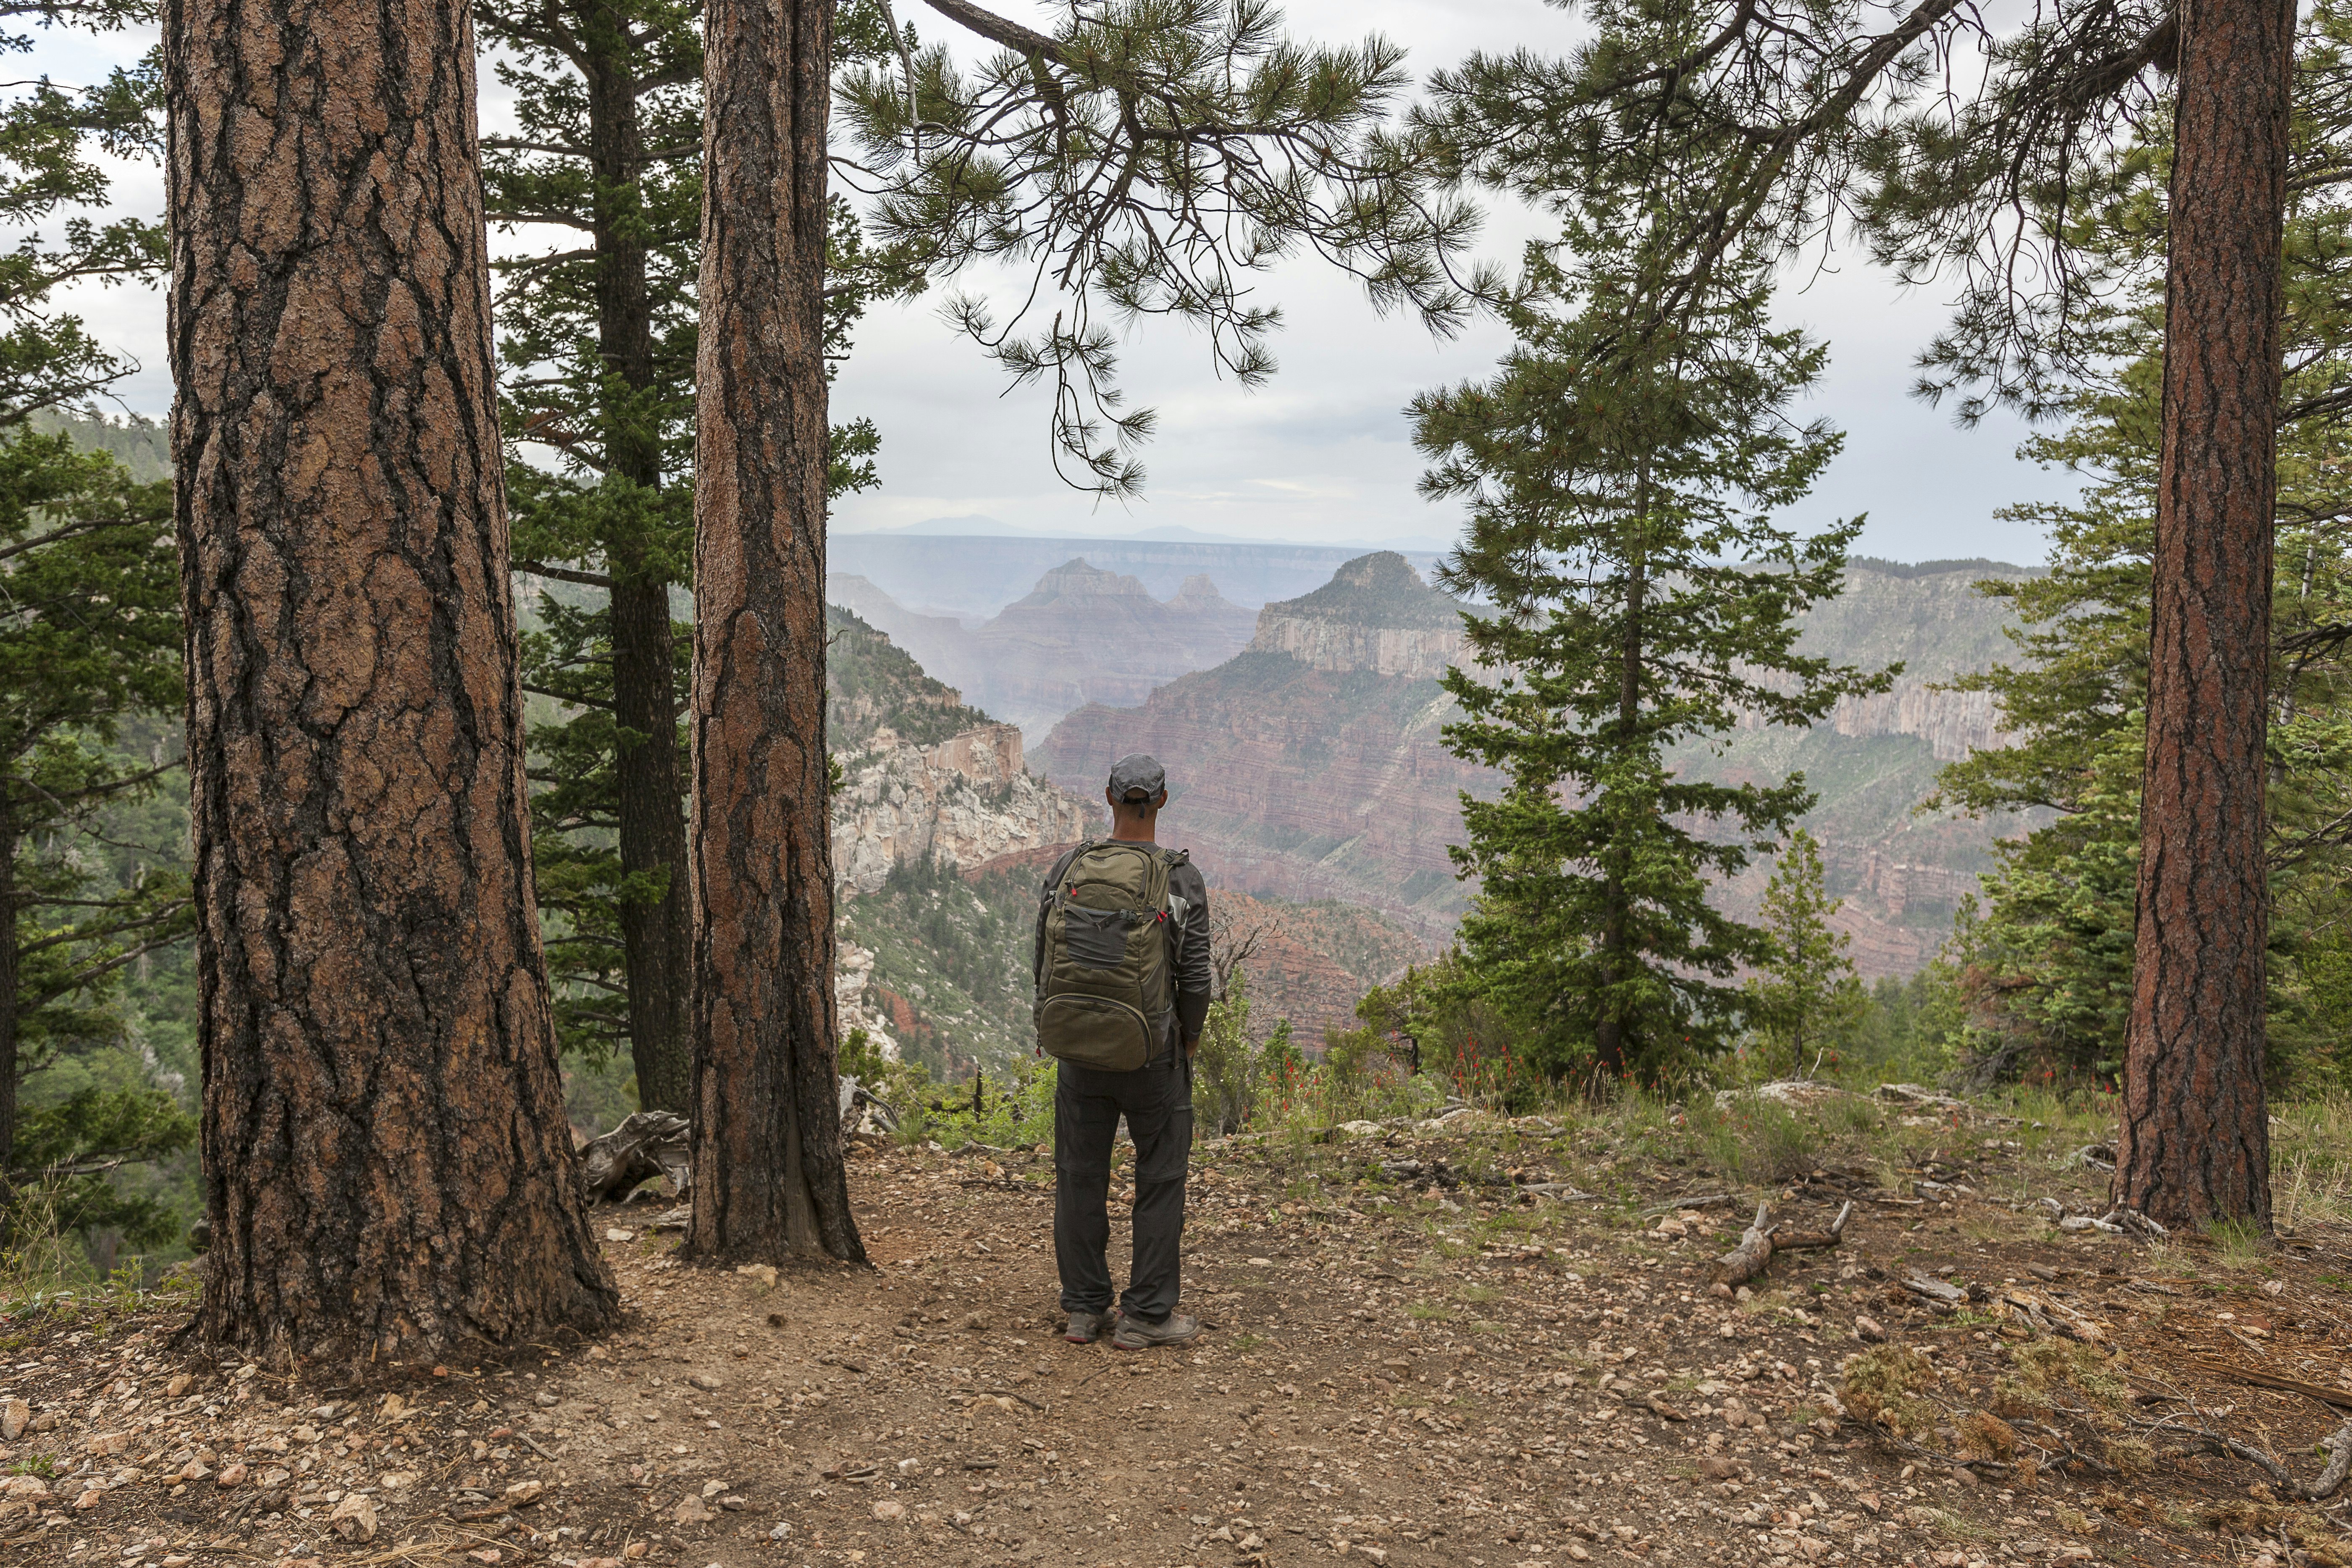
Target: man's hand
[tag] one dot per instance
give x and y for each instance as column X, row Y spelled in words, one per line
column 1190, row 1045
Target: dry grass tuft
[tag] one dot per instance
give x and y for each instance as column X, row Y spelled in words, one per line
column 1984, row 1435
column 2044, row 1367
column 1879, row 1387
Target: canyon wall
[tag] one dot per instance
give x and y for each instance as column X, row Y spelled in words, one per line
column 1313, row 764
column 964, row 800
column 1375, row 614
column 927, row 784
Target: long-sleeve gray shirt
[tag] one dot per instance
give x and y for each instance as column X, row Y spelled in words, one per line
column 1195, row 979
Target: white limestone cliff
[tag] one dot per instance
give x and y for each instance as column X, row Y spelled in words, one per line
column 967, row 799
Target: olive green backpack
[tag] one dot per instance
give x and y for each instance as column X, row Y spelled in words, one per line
column 1105, row 960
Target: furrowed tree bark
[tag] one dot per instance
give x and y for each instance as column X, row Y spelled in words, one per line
column 657, row 937
column 386, row 1163
column 2194, row 1145
column 768, row 1179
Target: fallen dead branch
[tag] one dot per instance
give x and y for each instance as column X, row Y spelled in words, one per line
column 2117, row 1221
column 1747, row 1259
column 2331, row 1479
column 1804, row 1240
column 2044, row 1314
column 1760, row 1241
column 2341, row 1398
column 1905, row 1445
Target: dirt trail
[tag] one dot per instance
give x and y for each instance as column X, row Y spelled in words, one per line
column 1404, row 1375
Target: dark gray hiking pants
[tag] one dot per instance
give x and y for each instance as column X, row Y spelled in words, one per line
column 1157, row 1100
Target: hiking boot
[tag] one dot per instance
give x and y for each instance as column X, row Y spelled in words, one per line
column 1175, row 1329
column 1086, row 1328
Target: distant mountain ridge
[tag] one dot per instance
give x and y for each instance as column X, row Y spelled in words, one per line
column 1081, row 634
column 977, row 576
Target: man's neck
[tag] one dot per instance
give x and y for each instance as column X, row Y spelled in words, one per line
column 1125, row 832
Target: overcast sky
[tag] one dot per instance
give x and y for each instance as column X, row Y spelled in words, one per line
column 1321, row 454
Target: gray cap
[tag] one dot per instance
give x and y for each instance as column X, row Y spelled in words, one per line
column 1137, row 777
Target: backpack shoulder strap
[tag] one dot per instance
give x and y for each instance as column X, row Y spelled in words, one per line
column 1061, row 867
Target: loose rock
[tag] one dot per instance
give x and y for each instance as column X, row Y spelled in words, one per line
column 354, row 1518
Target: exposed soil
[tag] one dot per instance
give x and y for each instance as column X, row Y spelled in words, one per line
column 1411, row 1361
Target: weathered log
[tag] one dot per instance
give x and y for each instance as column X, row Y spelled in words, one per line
column 1798, row 1240
column 647, row 1145
column 1760, row 1241
column 864, row 1112
column 1935, row 1290
column 1747, row 1259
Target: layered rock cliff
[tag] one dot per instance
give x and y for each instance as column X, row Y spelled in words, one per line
column 872, row 684
column 1312, row 764
column 924, row 776
column 926, row 785
column 859, row 1002
column 1374, row 615
column 962, row 801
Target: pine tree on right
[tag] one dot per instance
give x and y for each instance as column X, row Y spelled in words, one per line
column 1637, row 602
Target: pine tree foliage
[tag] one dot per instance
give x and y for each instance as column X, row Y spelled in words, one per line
column 57, row 142
column 1947, row 147
column 93, row 879
column 1806, row 999
column 1621, row 480
column 89, row 642
column 1782, row 119
column 1145, row 159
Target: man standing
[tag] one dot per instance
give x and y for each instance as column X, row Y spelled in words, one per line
column 1123, row 982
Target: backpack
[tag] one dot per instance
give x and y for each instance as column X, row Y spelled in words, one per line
column 1106, row 965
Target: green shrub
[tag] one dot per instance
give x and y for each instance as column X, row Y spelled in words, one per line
column 1018, row 1115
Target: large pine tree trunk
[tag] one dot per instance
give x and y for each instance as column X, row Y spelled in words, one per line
column 655, row 938
column 387, row 1168
column 768, row 1179
column 2195, row 1140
